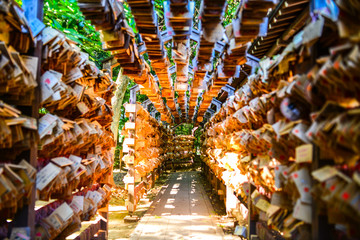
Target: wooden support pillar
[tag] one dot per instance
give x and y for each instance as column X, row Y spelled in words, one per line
column 163, row 168
column 130, row 203
column 129, row 147
column 203, row 168
column 157, row 173
column 130, row 184
column 222, row 189
column 25, row 217
column 251, row 218
column 153, row 177
column 216, row 184
column 320, row 227
column 104, row 213
column 231, row 200
column 109, row 64
column 209, row 175
column 252, row 61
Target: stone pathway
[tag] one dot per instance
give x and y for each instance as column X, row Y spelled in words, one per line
column 182, row 210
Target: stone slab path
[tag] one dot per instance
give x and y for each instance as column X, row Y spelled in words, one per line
column 181, row 211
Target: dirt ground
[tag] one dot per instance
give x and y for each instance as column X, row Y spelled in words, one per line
column 226, row 223
column 119, row 230
column 117, row 211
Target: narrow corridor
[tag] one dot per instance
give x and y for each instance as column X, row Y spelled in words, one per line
column 181, row 211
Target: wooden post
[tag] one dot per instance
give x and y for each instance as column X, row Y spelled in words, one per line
column 209, row 175
column 25, row 217
column 153, row 177
column 216, row 184
column 222, row 188
column 104, row 213
column 231, row 200
column 109, row 64
column 161, row 168
column 205, row 171
column 320, row 228
column 251, row 220
column 130, row 146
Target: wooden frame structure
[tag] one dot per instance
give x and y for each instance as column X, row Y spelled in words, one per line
column 135, row 191
column 25, row 217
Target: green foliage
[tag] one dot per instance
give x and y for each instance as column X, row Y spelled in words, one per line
column 198, row 134
column 168, row 47
column 230, row 11
column 117, row 155
column 159, row 8
column 196, row 19
column 184, row 129
column 139, row 97
column 190, row 79
column 147, row 60
column 193, row 51
column 173, row 78
column 130, row 17
column 43, row 111
column 115, row 72
column 66, row 16
column 215, row 61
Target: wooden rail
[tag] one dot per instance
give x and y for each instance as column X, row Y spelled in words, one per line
column 96, row 230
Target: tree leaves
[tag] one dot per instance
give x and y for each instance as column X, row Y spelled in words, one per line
column 230, row 12
column 130, row 17
column 66, row 16
column 159, row 8
column 184, row 129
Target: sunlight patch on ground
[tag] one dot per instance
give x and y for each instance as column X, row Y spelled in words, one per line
column 174, row 191
column 169, row 206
